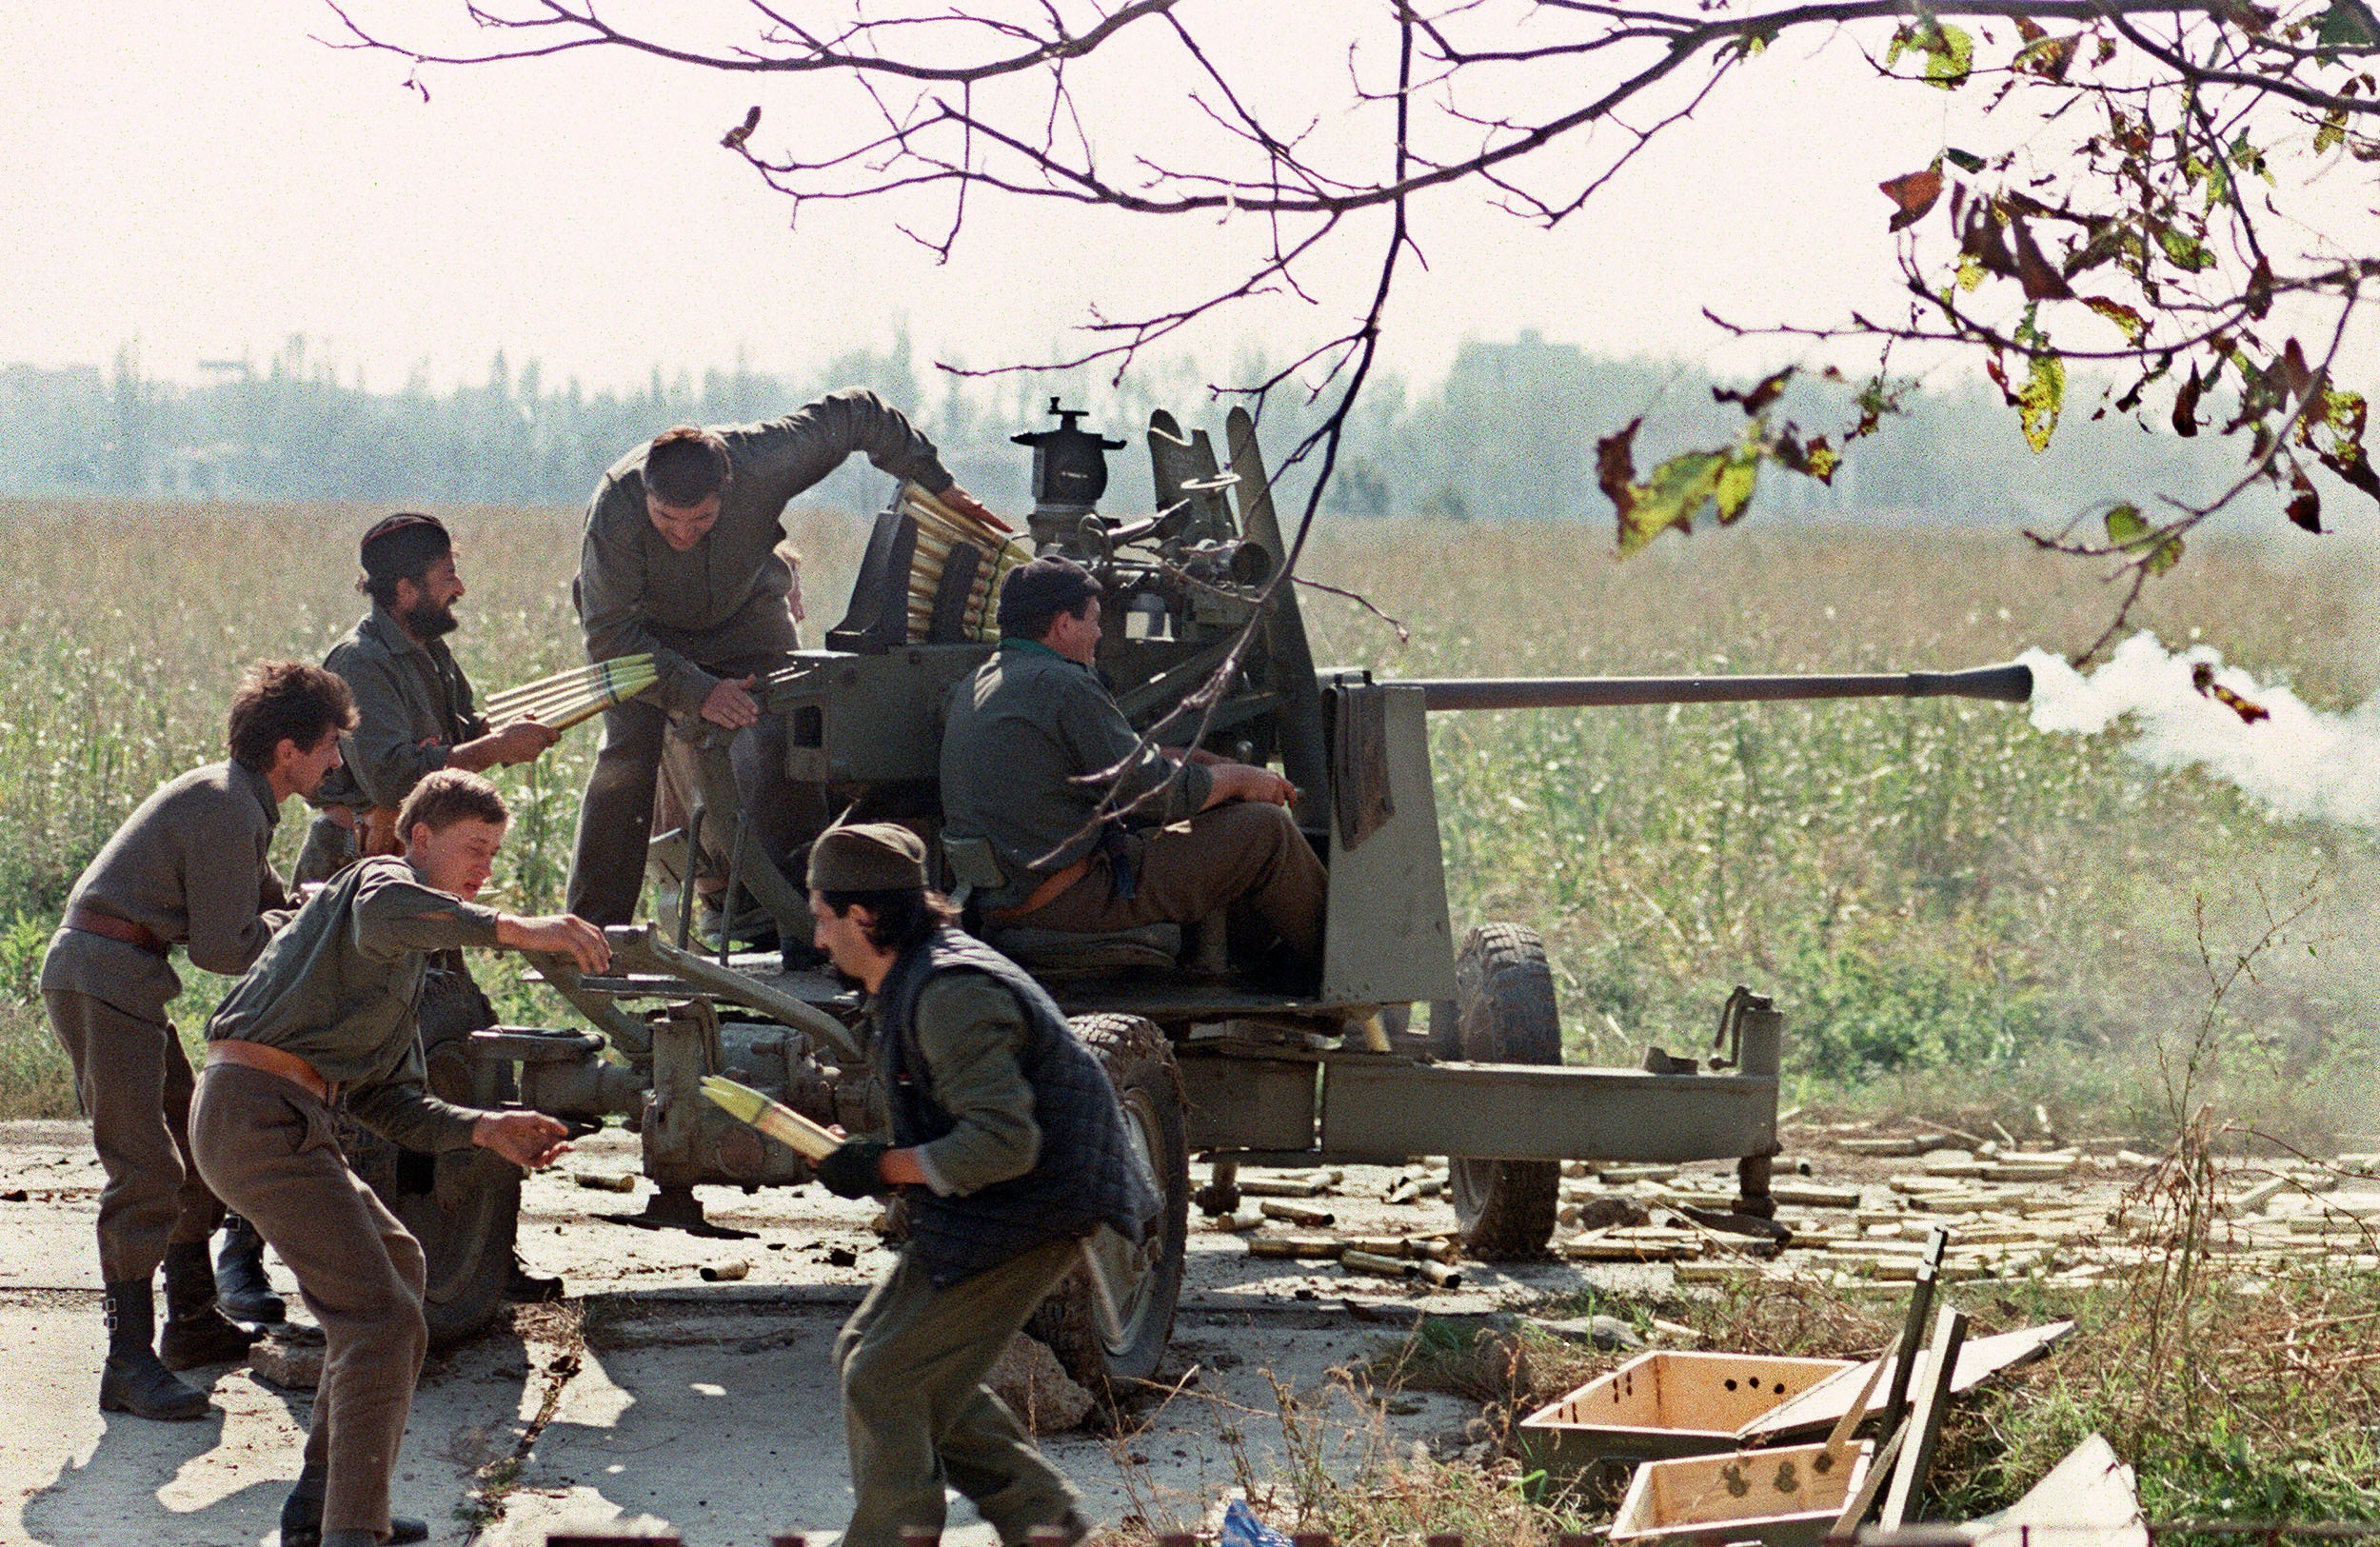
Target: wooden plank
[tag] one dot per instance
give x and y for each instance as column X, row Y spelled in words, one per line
column 1925, row 1419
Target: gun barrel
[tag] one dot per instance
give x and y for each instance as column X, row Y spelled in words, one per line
column 2010, row 683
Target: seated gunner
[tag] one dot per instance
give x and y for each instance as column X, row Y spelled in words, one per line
column 1032, row 752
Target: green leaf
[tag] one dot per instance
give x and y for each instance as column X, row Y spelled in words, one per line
column 2038, row 404
column 2129, row 530
column 1970, row 272
column 2350, row 26
column 1966, row 160
column 2332, row 132
column 2135, row 326
column 1949, row 66
column 2186, row 251
column 1737, row 478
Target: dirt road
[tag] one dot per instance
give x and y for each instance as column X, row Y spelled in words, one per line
column 652, row 1398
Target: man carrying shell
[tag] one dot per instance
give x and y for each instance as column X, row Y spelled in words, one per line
column 1008, row 1148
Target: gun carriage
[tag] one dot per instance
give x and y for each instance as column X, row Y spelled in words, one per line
column 1208, row 1066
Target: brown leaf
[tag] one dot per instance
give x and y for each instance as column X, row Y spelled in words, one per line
column 2351, row 465
column 2260, row 288
column 2185, row 404
column 2031, row 30
column 1758, row 396
column 1615, row 468
column 1915, row 192
column 1982, row 242
column 2038, row 275
column 2202, row 678
column 2294, row 373
column 2305, row 507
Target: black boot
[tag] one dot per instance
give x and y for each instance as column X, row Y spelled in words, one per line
column 302, row 1517
column 132, row 1380
column 242, row 1291
column 196, row 1333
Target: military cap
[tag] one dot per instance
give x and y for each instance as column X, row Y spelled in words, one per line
column 867, row 857
column 1044, row 589
column 397, row 547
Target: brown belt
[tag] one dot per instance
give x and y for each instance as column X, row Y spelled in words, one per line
column 272, row 1060
column 1052, row 887
column 93, row 921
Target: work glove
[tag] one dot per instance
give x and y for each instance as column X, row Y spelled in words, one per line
column 852, row 1170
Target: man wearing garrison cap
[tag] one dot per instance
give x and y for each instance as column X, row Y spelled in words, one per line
column 1097, row 833
column 1007, row 1148
column 414, row 715
column 682, row 560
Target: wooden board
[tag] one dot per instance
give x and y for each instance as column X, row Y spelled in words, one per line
column 1978, row 1360
column 1777, row 1497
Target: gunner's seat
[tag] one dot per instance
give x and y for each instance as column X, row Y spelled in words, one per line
column 975, row 866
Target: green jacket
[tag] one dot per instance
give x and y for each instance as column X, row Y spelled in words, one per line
column 725, row 597
column 970, row 1030
column 412, row 706
column 190, row 865
column 1019, row 736
column 339, row 988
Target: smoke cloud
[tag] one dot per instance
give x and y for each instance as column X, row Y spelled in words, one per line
column 2302, row 762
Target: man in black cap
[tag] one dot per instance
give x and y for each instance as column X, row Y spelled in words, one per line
column 682, row 560
column 414, row 715
column 413, row 704
column 1096, row 836
column 1007, row 1148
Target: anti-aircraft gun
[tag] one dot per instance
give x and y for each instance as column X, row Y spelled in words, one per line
column 1207, row 1064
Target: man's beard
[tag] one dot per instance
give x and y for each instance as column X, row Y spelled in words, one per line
column 430, row 619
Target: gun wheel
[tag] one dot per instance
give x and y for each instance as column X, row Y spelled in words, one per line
column 1147, row 1278
column 1504, row 1014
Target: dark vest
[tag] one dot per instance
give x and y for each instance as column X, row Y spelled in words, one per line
column 1087, row 1173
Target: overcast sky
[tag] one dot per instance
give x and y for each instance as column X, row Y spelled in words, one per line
column 207, row 179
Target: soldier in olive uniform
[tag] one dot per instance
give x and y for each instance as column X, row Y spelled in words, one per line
column 326, row 1017
column 1024, row 748
column 187, row 868
column 413, row 705
column 1007, row 1147
column 680, row 560
column 414, row 715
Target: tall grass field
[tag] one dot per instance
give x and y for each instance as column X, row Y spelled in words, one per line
column 1953, row 909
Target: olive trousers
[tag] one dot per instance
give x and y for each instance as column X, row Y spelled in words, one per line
column 272, row 1151
column 134, row 1082
column 918, row 1415
column 616, row 815
column 1244, row 855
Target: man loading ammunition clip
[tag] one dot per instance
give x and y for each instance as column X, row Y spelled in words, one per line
column 680, row 560
column 413, row 706
column 414, row 714
column 1031, row 747
column 326, row 1017
column 187, row 868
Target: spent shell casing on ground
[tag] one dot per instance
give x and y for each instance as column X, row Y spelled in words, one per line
column 1297, row 1213
column 1363, row 1261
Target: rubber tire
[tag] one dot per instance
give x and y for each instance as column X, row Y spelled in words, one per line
column 1505, row 1013
column 1140, row 1064
column 464, row 1206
